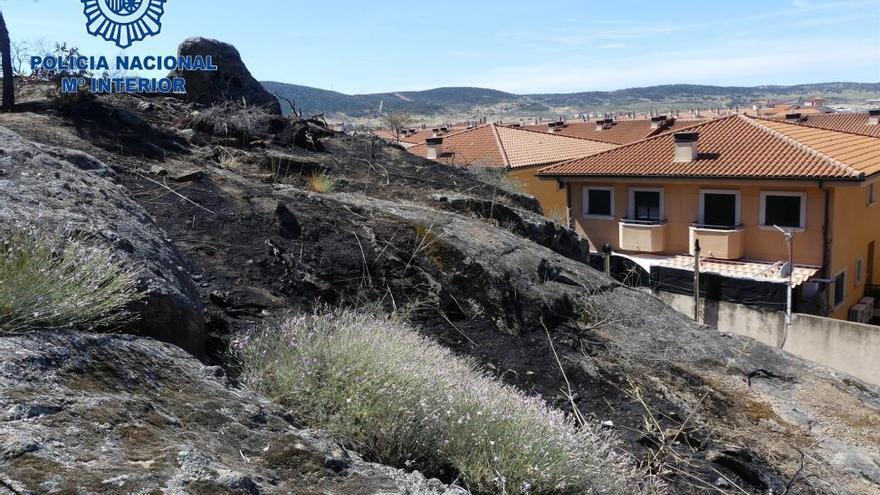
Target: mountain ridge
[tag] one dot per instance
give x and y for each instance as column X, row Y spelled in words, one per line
column 469, row 102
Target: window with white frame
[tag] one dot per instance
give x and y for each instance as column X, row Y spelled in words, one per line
column 839, row 289
column 784, row 209
column 599, row 202
column 646, row 205
column 719, row 208
column 872, row 193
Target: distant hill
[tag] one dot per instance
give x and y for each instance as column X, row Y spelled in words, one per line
column 464, row 102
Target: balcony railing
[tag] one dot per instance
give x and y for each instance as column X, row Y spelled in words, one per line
column 644, row 236
column 719, row 242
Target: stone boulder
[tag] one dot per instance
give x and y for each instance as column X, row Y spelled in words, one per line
column 530, row 225
column 60, row 188
column 85, row 413
column 231, row 82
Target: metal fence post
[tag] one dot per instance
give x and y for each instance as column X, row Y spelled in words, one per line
column 697, row 251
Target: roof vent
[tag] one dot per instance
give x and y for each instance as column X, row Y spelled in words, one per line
column 604, row 124
column 794, row 117
column 554, row 127
column 435, row 148
column 874, row 117
column 656, row 122
column 686, row 146
column 436, row 132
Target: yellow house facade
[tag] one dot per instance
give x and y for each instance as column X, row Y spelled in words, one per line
column 519, row 153
column 736, row 186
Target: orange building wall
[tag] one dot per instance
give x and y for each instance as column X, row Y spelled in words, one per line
column 553, row 199
column 681, row 209
column 854, row 225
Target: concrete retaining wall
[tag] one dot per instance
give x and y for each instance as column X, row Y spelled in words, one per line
column 850, row 347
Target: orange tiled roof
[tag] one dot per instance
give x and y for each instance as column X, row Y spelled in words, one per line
column 500, row 146
column 418, row 137
column 781, row 110
column 855, row 151
column 622, row 132
column 753, row 270
column 739, row 147
column 856, row 123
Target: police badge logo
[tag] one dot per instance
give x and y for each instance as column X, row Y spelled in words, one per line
column 124, row 21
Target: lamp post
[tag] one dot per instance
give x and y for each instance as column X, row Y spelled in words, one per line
column 697, row 252
column 607, row 251
column 788, row 272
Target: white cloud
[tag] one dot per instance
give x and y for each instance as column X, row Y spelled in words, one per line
column 820, row 60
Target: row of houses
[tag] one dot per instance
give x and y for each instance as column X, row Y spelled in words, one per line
column 649, row 192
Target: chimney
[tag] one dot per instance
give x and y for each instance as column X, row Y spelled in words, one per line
column 874, row 117
column 656, row 122
column 600, row 125
column 435, row 148
column 793, row 117
column 436, row 132
column 686, row 146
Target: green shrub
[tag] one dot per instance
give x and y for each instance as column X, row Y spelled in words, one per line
column 51, row 280
column 401, row 399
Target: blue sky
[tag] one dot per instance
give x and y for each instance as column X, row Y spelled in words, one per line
column 517, row 46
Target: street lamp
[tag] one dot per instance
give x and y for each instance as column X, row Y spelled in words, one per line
column 788, row 272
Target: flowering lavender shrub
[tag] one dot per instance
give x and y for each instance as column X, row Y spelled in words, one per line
column 399, row 398
column 60, row 281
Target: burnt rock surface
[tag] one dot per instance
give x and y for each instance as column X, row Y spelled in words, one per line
column 231, row 82
column 68, row 190
column 84, row 413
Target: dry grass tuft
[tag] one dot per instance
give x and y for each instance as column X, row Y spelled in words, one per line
column 49, row 280
column 322, row 183
column 497, row 178
column 402, row 399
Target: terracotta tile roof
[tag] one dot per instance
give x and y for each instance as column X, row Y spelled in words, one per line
column 856, row 123
column 752, row 270
column 739, row 147
column 418, row 137
column 861, row 153
column 680, row 124
column 494, row 145
column 621, row 132
column 781, row 110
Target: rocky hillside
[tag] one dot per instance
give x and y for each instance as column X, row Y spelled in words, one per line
column 468, row 103
column 86, row 413
column 225, row 196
